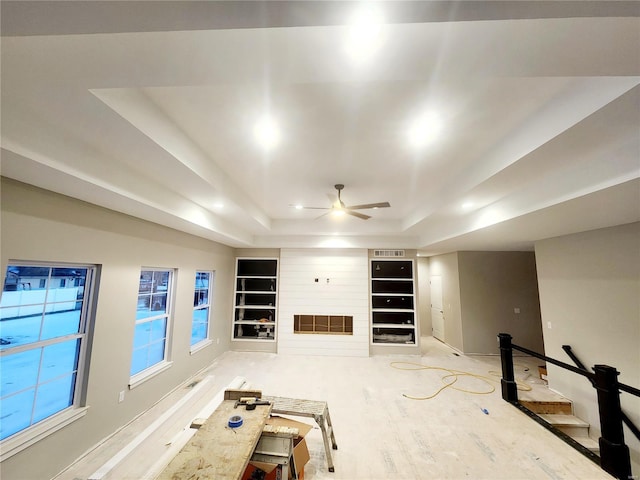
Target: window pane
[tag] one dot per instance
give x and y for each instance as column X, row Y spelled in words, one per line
column 53, row 397
column 60, row 305
column 159, row 303
column 160, row 281
column 199, row 327
column 144, row 307
column 61, row 323
column 158, row 329
column 139, row 360
column 20, row 278
column 200, row 297
column 16, row 413
column 16, row 331
column 19, row 371
column 156, row 353
column 59, row 359
column 146, row 279
column 142, row 335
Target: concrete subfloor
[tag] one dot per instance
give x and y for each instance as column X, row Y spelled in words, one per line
column 381, row 434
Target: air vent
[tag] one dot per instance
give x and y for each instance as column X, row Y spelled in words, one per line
column 388, row 253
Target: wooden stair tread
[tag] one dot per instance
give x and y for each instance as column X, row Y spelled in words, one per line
column 549, row 407
column 563, row 420
column 588, row 442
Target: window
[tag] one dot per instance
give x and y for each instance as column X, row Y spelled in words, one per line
column 43, row 332
column 152, row 319
column 201, row 307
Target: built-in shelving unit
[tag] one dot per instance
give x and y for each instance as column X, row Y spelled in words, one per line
column 255, row 299
column 393, row 319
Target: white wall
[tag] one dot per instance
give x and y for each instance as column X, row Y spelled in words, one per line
column 38, row 225
column 447, row 267
column 345, row 293
column 590, row 299
column 423, row 294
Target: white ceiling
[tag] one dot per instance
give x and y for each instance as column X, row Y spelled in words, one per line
column 148, row 108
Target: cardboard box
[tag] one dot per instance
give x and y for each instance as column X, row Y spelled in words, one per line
column 300, row 453
column 275, row 472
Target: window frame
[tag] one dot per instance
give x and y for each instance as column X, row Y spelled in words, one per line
column 142, row 376
column 194, row 347
column 41, row 429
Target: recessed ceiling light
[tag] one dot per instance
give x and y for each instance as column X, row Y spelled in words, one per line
column 424, row 130
column 218, row 205
column 298, row 207
column 365, row 34
column 266, row 132
column 467, row 205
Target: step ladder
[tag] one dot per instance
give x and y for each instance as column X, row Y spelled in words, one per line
column 315, row 409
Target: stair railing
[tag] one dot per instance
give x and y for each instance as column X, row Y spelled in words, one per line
column 614, row 453
column 627, row 421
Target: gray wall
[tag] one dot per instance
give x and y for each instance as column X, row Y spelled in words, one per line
column 492, row 286
column 480, row 291
column 44, row 226
column 589, row 295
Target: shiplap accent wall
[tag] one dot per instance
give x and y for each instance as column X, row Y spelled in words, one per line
column 346, row 293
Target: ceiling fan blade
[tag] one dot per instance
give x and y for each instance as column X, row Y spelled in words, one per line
column 323, row 215
column 309, row 208
column 370, row 205
column 358, row 214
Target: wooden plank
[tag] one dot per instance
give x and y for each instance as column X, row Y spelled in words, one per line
column 217, row 451
column 237, row 394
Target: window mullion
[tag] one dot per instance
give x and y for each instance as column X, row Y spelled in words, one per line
column 36, row 387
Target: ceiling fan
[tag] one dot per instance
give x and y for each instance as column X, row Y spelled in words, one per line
column 339, row 208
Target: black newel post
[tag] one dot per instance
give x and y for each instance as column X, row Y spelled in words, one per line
column 614, row 453
column 508, row 382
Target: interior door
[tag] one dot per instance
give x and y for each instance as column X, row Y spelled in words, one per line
column 437, row 310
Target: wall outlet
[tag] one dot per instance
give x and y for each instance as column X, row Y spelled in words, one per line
column 516, row 310
column 217, row 341
column 549, row 325
column 121, row 397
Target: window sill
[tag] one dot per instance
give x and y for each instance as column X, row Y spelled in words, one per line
column 139, row 378
column 199, row 346
column 18, row 442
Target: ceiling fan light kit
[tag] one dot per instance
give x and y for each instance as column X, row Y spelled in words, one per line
column 339, row 208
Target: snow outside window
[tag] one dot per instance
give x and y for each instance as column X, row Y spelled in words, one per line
column 201, row 307
column 152, row 319
column 43, row 331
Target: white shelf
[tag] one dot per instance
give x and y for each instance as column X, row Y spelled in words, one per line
column 393, row 336
column 392, row 310
column 257, row 292
column 255, row 322
column 392, row 279
column 394, row 325
column 253, row 329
